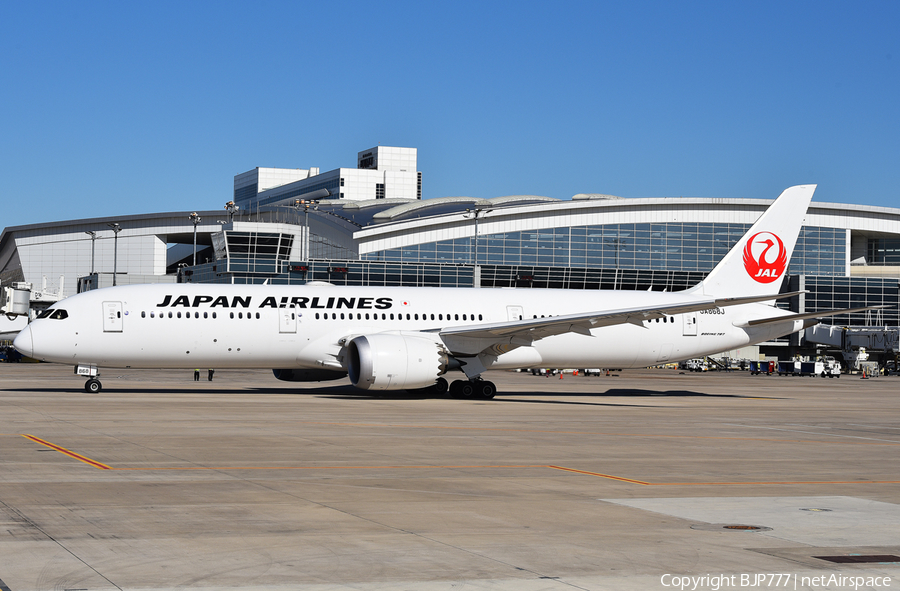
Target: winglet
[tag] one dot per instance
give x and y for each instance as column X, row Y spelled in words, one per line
column 757, row 264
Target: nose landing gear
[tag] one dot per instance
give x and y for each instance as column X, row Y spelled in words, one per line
column 93, row 385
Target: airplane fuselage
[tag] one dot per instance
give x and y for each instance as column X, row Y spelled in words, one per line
column 271, row 326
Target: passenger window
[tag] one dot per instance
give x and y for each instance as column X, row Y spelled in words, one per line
column 456, row 316
column 214, row 315
column 257, row 315
column 179, row 314
column 205, row 315
column 231, row 314
column 143, row 314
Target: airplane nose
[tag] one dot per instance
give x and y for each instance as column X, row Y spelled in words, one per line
column 24, row 342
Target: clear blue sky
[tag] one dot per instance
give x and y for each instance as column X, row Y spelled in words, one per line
column 120, row 107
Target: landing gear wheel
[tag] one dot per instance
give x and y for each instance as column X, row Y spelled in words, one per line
column 440, row 386
column 461, row 389
column 485, row 389
column 93, row 386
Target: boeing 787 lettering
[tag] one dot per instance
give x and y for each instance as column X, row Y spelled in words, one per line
column 394, row 338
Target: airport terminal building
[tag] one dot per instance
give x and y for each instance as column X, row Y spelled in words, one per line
column 370, row 225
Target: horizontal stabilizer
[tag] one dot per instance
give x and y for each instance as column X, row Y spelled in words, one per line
column 810, row 315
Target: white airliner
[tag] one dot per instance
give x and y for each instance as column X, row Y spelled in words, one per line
column 394, row 338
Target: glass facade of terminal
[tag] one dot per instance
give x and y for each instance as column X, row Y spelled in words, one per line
column 834, row 293
column 657, row 257
column 883, row 251
column 342, row 272
column 252, row 252
column 581, row 278
column 658, row 247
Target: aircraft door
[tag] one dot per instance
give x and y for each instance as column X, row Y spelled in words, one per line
column 112, row 316
column 514, row 312
column 690, row 324
column 287, row 320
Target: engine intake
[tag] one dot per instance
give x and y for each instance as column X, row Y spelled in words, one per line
column 394, row 362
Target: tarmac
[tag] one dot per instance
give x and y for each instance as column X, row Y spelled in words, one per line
column 643, row 479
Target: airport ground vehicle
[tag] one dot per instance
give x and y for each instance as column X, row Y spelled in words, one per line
column 826, row 367
column 766, row 367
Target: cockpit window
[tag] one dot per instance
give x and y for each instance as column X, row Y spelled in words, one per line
column 54, row 314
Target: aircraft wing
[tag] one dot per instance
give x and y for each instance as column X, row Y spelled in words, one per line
column 472, row 340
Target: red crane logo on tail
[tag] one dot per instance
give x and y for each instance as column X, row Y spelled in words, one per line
column 763, row 263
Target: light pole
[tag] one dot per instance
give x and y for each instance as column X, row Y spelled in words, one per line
column 195, row 219
column 305, row 204
column 116, row 228
column 93, row 236
column 475, row 213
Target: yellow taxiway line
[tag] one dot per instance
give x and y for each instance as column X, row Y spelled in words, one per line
column 102, row 466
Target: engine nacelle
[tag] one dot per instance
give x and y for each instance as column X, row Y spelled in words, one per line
column 308, row 375
column 394, row 362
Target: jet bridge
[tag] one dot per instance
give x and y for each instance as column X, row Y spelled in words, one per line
column 20, row 303
column 15, row 300
column 854, row 342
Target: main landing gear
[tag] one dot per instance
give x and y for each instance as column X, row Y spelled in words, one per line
column 465, row 389
column 477, row 388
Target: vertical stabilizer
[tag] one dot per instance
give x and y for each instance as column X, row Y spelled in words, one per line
column 757, row 264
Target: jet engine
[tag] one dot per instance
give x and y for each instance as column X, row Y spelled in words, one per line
column 395, row 361
column 308, row 375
